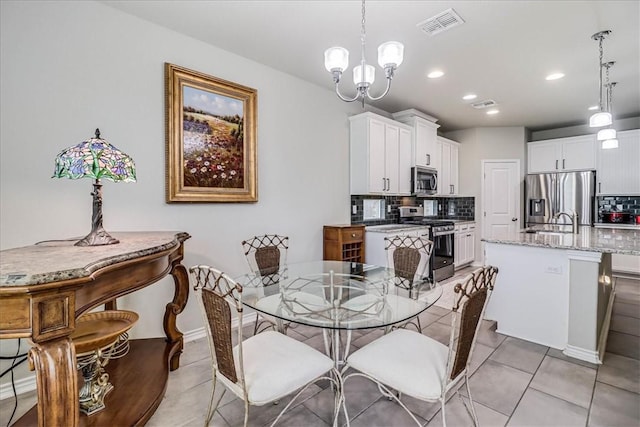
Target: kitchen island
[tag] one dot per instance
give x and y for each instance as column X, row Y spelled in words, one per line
column 556, row 288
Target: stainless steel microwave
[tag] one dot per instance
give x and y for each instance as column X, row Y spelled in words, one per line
column 424, row 181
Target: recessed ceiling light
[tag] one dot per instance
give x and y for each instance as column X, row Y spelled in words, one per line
column 492, row 112
column 554, row 76
column 435, row 74
column 593, row 108
column 470, row 96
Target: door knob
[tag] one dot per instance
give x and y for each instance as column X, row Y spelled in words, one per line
column 514, row 219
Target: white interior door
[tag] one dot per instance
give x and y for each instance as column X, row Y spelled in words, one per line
column 500, row 198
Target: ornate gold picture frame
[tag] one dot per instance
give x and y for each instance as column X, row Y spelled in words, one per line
column 211, row 138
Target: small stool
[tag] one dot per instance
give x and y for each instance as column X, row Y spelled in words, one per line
column 99, row 337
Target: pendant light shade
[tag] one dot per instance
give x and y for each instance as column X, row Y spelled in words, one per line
column 390, row 54
column 336, row 59
column 599, row 119
column 604, row 134
column 609, row 144
column 369, row 75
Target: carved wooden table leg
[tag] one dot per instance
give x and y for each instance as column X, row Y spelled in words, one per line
column 56, row 376
column 175, row 307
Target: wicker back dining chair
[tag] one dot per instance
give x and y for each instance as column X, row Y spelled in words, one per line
column 262, row 369
column 267, row 257
column 409, row 257
column 422, row 367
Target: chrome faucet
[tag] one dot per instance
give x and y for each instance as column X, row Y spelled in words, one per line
column 574, row 220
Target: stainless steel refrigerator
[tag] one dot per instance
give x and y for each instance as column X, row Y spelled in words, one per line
column 547, row 194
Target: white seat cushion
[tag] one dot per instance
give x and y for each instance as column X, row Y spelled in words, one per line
column 406, row 361
column 276, row 365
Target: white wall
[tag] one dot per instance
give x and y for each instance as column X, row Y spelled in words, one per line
column 486, row 143
column 69, row 67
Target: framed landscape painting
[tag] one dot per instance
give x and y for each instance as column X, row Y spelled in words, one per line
column 211, row 138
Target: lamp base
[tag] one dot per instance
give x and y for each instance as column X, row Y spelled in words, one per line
column 97, row 238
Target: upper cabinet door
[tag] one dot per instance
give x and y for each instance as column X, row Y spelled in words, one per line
column 425, row 143
column 578, row 153
column 404, row 169
column 380, row 156
column 377, row 157
column 447, row 167
column 562, row 154
column 392, row 157
column 618, row 171
column 544, row 156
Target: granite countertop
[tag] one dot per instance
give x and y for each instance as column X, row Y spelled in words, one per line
column 618, row 241
column 57, row 260
column 391, row 228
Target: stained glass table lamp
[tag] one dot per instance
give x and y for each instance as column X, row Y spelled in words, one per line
column 96, row 159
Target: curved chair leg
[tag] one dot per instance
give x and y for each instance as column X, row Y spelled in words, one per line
column 385, row 392
column 444, row 418
column 293, row 399
column 246, row 412
column 473, row 409
column 212, row 407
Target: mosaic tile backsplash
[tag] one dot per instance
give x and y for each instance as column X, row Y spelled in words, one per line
column 448, row 208
column 628, row 204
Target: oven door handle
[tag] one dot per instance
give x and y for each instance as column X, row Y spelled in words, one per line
column 443, row 233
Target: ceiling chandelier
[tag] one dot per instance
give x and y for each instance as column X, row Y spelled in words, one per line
column 602, row 117
column 336, row 60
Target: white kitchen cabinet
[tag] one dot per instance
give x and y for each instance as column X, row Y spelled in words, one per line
column 562, row 154
column 618, row 169
column 464, row 244
column 380, row 151
column 448, row 167
column 424, row 147
column 404, row 162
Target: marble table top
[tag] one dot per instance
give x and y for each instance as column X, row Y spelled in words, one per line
column 617, row 241
column 56, row 260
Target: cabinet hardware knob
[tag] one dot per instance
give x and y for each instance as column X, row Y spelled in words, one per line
column 428, row 159
column 562, row 163
column 353, row 234
column 514, row 219
column 599, row 187
column 556, row 165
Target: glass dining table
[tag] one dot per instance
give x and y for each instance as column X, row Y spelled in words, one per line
column 338, row 297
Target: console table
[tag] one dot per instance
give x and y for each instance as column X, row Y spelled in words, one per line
column 46, row 286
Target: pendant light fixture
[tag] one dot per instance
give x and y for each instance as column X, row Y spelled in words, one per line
column 602, row 117
column 608, row 136
column 336, row 60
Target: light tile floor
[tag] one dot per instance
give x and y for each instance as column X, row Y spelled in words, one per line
column 515, row 383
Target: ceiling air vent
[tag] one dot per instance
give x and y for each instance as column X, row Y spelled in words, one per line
column 484, row 104
column 441, row 22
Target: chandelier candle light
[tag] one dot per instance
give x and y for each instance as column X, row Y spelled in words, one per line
column 336, row 60
column 96, row 159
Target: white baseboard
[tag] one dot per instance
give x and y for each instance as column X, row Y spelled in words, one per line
column 27, row 384
column 582, row 354
column 23, row 385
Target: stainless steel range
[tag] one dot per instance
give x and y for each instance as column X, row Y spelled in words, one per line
column 441, row 234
